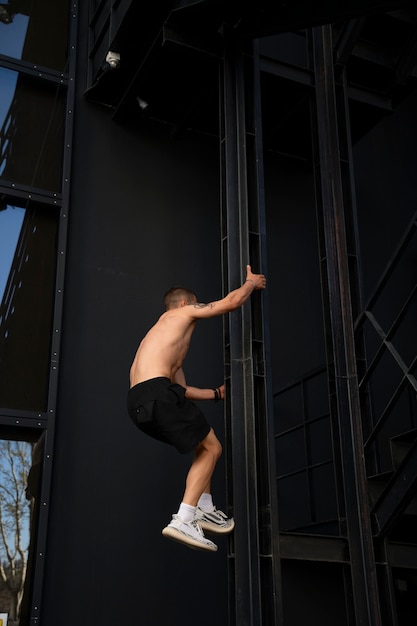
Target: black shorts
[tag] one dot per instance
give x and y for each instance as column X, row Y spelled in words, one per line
column 160, row 409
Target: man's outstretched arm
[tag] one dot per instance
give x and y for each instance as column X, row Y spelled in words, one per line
column 234, row 300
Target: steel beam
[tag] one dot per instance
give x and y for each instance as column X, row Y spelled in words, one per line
column 397, row 494
column 314, row 548
column 254, row 582
column 340, row 335
column 244, row 583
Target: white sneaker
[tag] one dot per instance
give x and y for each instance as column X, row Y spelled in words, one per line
column 215, row 522
column 189, row 533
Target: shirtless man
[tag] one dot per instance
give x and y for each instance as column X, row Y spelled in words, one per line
column 160, row 404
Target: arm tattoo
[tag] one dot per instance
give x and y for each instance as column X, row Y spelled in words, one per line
column 202, row 305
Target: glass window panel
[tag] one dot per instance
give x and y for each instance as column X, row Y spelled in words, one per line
column 21, row 462
column 26, row 312
column 11, row 219
column 15, row 462
column 36, row 32
column 32, row 116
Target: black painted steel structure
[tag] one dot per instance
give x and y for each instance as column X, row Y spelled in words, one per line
column 208, row 53
column 337, row 281
column 43, row 239
column 255, row 592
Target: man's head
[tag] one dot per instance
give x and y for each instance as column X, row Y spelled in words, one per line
column 178, row 296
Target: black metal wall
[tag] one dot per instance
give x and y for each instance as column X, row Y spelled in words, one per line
column 145, row 215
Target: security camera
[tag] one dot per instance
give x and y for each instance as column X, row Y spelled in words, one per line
column 142, row 103
column 112, row 60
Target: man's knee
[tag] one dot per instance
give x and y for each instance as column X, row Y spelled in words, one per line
column 212, row 445
column 217, row 448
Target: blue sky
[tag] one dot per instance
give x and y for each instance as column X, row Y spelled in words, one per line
column 12, row 36
column 10, row 224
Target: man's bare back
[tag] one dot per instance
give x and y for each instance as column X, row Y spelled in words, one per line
column 163, row 349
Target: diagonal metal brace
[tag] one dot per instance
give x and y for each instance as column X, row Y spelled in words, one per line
column 397, row 494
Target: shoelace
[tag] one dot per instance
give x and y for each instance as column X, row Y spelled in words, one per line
column 197, row 528
column 220, row 514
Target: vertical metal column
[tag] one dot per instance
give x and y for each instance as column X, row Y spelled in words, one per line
column 340, row 337
column 253, row 548
column 269, row 540
column 40, row 543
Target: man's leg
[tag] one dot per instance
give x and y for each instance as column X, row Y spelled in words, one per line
column 209, row 517
column 199, row 476
column 184, row 526
column 199, row 482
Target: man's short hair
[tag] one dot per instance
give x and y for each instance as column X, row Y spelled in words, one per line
column 174, row 295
